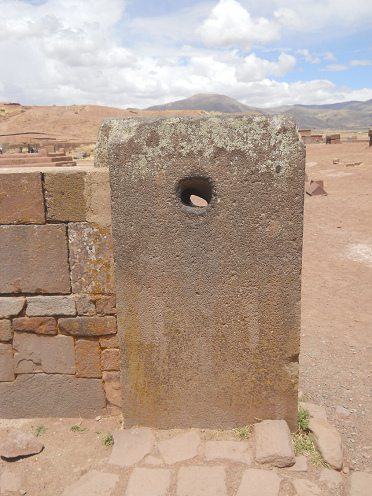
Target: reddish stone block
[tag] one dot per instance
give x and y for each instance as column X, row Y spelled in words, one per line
column 49, row 354
column 88, row 326
column 110, row 359
column 87, row 358
column 38, row 325
column 91, row 258
column 109, row 341
column 21, row 199
column 106, row 305
column 64, row 196
column 315, row 189
column 33, row 259
column 318, row 181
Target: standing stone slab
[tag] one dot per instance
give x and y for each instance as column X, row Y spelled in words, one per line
column 33, row 259
column 21, row 198
column 208, row 297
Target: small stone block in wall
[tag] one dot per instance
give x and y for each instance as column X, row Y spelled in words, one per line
column 22, row 199
column 109, row 341
column 110, row 359
column 88, row 326
column 50, row 305
column 64, row 196
column 9, row 307
column 49, row 354
column 6, row 333
column 87, row 358
column 6, row 363
column 106, row 305
column 84, row 305
column 33, row 259
column 38, row 325
column 91, row 258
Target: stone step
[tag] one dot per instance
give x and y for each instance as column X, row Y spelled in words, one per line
column 33, row 159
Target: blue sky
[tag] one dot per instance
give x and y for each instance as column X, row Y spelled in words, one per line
column 132, row 53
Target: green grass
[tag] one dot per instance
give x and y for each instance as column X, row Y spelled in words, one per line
column 243, row 432
column 108, row 440
column 77, row 428
column 302, row 441
column 39, row 430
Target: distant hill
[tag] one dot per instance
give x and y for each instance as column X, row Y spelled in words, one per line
column 209, row 103
column 344, row 115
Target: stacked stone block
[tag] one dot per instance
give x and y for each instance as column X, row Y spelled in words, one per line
column 58, row 345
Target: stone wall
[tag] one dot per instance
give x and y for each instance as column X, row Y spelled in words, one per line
column 58, row 345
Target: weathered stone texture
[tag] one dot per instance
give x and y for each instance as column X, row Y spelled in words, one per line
column 179, row 448
column 87, row 358
column 84, row 305
column 20, row 444
column 202, row 481
column 21, row 198
column 6, row 363
column 109, row 341
column 64, row 196
column 91, row 258
column 9, row 307
column 149, row 481
column 50, row 305
column 88, row 326
column 97, row 197
column 208, row 297
column 51, row 395
column 49, row 354
column 106, row 305
column 256, row 482
column 110, row 359
column 112, row 387
column 33, row 259
column 227, row 450
column 6, row 329
column 328, row 441
column 38, row 325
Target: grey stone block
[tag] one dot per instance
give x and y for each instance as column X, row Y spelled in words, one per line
column 6, row 363
column 51, row 395
column 50, row 306
column 9, row 307
column 6, row 333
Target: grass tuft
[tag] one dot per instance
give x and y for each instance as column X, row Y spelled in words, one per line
column 243, row 433
column 108, row 440
column 39, row 430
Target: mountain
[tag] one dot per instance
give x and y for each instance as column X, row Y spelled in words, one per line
column 209, row 103
column 351, row 115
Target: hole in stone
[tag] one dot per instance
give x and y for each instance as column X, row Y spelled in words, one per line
column 195, row 192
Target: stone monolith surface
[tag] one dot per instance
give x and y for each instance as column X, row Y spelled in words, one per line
column 208, row 297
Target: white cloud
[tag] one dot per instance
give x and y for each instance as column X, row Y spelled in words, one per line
column 230, row 24
column 329, row 56
column 360, row 62
column 335, row 67
column 308, row 57
column 255, row 69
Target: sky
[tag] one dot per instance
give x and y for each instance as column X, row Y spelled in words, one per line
column 138, row 53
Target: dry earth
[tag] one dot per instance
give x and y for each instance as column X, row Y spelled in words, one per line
column 335, row 363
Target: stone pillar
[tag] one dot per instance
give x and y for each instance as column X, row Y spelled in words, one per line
column 208, row 297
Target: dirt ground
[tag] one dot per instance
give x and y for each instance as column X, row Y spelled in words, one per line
column 336, row 359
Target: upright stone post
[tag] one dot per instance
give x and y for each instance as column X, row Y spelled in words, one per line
column 208, row 297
